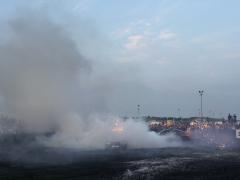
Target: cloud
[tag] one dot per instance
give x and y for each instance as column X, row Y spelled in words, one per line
column 167, row 35
column 122, row 32
column 134, row 42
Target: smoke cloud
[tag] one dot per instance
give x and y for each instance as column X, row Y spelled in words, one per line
column 100, row 131
column 48, row 85
column 40, row 72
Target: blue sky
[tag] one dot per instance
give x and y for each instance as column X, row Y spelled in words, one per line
column 166, row 50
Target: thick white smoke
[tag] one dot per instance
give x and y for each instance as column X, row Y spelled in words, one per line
column 47, row 84
column 40, row 73
column 76, row 134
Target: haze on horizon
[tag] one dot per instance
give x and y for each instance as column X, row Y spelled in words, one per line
column 154, row 53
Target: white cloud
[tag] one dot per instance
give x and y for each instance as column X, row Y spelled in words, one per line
column 134, row 42
column 122, row 32
column 167, row 35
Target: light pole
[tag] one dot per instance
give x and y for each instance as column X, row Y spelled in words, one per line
column 201, row 94
column 138, row 110
column 179, row 113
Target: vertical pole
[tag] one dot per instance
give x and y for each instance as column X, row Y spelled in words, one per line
column 179, row 113
column 201, row 94
column 138, row 111
column 201, row 109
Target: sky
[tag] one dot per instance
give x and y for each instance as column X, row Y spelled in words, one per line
column 160, row 51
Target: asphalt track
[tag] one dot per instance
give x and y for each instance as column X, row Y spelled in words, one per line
column 163, row 163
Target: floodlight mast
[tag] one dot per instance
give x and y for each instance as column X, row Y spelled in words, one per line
column 201, row 94
column 138, row 110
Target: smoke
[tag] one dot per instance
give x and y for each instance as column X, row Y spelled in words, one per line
column 100, row 131
column 48, row 85
column 40, row 72
column 215, row 138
